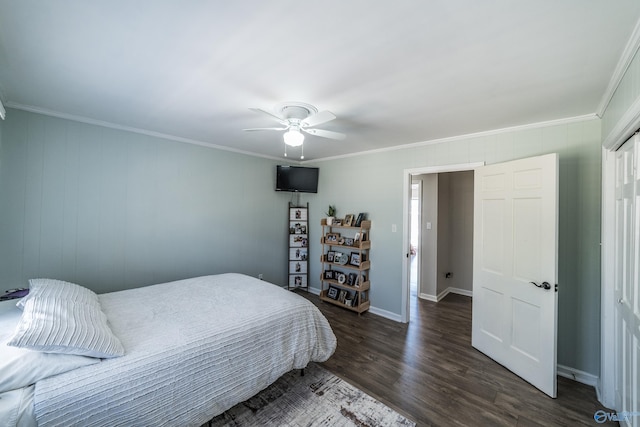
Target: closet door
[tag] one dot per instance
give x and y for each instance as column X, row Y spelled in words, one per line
column 627, row 282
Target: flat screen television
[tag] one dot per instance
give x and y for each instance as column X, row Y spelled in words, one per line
column 297, row 178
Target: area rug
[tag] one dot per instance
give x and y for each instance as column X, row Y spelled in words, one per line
column 318, row 398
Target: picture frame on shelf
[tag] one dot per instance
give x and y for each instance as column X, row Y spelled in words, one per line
column 297, row 267
column 342, row 296
column 348, row 220
column 361, row 217
column 297, row 228
column 331, row 256
column 356, row 238
column 298, row 241
column 353, row 279
column 341, row 258
column 298, row 254
column 328, row 274
column 297, row 213
column 332, row 292
column 354, row 259
column 332, row 237
column 298, row 280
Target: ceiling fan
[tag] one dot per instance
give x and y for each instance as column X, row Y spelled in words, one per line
column 297, row 117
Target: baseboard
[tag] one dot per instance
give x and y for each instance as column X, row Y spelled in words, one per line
column 315, row 291
column 428, row 297
column 458, row 291
column 374, row 310
column 441, row 295
column 579, row 376
column 386, row 314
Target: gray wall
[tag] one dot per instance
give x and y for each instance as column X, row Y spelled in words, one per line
column 455, row 231
column 373, row 183
column 112, row 210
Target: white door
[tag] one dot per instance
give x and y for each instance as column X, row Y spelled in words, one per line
column 515, row 258
column 627, row 283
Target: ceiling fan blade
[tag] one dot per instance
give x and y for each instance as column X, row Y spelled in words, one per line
column 268, row 113
column 252, row 129
column 319, row 118
column 325, row 133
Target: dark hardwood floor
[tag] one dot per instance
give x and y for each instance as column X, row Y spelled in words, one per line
column 428, row 371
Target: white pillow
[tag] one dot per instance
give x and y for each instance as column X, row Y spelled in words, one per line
column 20, row 367
column 51, row 288
column 56, row 325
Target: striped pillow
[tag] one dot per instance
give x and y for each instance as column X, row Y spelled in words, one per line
column 57, row 325
column 51, row 288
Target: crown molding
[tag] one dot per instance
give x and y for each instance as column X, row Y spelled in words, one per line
column 537, row 125
column 629, row 52
column 146, row 132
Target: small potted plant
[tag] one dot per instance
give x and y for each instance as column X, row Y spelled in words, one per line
column 331, row 214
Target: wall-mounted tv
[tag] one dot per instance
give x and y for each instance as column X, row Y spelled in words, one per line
column 297, row 178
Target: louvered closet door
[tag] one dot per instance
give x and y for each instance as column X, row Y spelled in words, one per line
column 627, row 282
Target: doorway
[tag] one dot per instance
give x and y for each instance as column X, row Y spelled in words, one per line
column 426, row 263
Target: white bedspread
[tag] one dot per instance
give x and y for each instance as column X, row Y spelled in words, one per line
column 194, row 348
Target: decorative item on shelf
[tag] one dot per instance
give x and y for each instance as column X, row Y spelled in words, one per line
column 332, row 238
column 341, row 258
column 331, row 214
column 342, row 278
column 348, row 241
column 332, row 292
column 348, row 220
column 355, row 259
column 352, row 279
column 361, row 217
column 342, row 296
column 331, row 256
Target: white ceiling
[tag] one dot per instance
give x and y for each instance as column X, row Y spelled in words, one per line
column 394, row 72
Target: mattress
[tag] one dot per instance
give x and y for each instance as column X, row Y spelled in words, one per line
column 194, row 348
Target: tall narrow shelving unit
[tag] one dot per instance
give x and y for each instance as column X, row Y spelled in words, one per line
column 298, row 247
column 345, row 265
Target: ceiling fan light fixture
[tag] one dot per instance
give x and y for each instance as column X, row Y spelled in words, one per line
column 293, row 137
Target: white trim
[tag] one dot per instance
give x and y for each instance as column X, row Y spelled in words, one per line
column 428, row 297
column 630, row 50
column 548, row 123
column 626, row 126
column 3, row 112
column 606, row 386
column 110, row 125
column 578, row 375
column 373, row 310
column 384, row 313
column 406, row 238
column 146, row 132
column 458, row 291
column 443, row 294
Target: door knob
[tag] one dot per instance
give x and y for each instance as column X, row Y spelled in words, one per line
column 544, row 285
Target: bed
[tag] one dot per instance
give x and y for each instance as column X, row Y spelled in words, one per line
column 191, row 349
